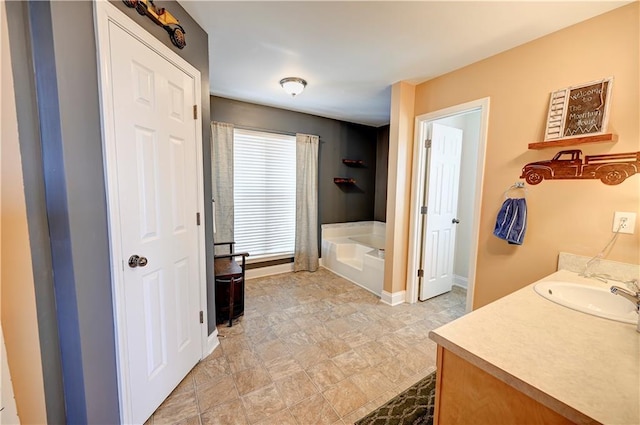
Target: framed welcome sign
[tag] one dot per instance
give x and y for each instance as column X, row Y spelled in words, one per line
column 579, row 110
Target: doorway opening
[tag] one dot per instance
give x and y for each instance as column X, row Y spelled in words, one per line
column 446, row 199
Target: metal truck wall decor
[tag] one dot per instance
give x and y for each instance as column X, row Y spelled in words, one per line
column 161, row 17
column 610, row 169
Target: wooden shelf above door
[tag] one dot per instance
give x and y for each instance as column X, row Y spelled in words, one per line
column 561, row 143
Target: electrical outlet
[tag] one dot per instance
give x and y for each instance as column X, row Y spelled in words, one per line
column 628, row 220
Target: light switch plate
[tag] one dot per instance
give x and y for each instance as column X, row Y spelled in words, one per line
column 628, row 226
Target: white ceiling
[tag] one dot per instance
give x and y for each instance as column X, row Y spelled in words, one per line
column 352, row 52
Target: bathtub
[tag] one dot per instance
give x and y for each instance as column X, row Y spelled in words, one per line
column 355, row 251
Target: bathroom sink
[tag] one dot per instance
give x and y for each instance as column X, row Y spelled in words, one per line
column 589, row 299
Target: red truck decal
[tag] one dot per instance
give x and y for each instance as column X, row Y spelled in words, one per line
column 610, row 169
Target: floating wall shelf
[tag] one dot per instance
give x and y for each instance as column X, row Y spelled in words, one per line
column 343, row 180
column 353, row 162
column 561, row 143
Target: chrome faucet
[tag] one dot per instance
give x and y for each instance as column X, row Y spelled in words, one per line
column 634, row 297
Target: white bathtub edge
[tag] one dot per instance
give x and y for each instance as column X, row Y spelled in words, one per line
column 351, row 280
column 393, row 299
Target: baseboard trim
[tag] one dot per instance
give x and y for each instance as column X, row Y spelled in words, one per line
column 212, row 342
column 393, row 299
column 461, row 281
column 268, row 271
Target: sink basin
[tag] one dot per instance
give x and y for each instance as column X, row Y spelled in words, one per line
column 589, row 299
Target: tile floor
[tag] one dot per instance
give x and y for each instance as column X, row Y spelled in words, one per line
column 312, row 348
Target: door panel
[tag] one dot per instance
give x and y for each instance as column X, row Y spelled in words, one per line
column 178, row 184
column 156, row 166
column 155, row 319
column 438, row 234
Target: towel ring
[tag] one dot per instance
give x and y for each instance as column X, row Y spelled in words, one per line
column 515, row 186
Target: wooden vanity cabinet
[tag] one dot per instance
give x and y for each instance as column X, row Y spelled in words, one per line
column 466, row 394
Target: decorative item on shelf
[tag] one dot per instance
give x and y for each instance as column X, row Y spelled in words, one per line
column 562, row 143
column 611, row 169
column 161, row 16
column 353, row 162
column 344, row 180
column 579, row 110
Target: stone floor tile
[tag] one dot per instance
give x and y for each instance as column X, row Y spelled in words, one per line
column 243, row 359
column 249, row 380
column 216, row 393
column 272, row 350
column 283, row 417
column 345, row 397
column 373, row 353
column 372, row 382
column 176, row 408
column 325, row 374
column 295, row 387
column 283, row 367
column 278, row 355
column 314, row 410
column 210, row 371
column 310, row 356
column 334, row 346
column 394, row 371
column 262, row 403
column 231, row 413
column 350, row 363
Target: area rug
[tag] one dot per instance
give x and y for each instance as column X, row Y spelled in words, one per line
column 414, row 406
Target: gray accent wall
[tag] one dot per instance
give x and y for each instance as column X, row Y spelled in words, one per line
column 338, row 140
column 60, row 138
column 382, row 167
column 31, row 153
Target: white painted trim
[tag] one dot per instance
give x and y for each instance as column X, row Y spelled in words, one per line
column 421, row 124
column 212, row 343
column 268, row 271
column 460, row 281
column 103, row 14
column 393, row 299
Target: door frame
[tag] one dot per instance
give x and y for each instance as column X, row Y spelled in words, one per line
column 419, row 165
column 104, row 13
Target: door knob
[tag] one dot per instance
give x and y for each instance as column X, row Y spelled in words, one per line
column 137, row 261
column 455, row 221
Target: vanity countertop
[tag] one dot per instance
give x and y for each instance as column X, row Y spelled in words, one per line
column 584, row 367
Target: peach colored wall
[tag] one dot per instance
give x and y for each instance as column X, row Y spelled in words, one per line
column 563, row 215
column 398, row 187
column 17, row 292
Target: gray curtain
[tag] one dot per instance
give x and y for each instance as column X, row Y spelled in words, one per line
column 222, row 175
column 306, row 246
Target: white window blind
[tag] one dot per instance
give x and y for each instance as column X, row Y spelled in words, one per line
column 264, row 193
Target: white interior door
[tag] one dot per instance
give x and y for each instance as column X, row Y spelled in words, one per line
column 157, row 195
column 439, row 233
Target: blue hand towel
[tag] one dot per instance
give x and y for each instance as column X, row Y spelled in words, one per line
column 512, row 221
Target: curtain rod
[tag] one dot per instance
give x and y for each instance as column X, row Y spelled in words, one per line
column 244, row 127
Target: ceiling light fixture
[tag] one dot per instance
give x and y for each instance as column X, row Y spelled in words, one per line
column 293, row 85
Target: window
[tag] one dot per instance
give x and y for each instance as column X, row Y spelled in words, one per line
column 264, row 193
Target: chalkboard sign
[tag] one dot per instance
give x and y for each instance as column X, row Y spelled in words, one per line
column 579, row 110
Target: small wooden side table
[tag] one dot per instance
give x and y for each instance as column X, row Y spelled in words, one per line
column 229, row 286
